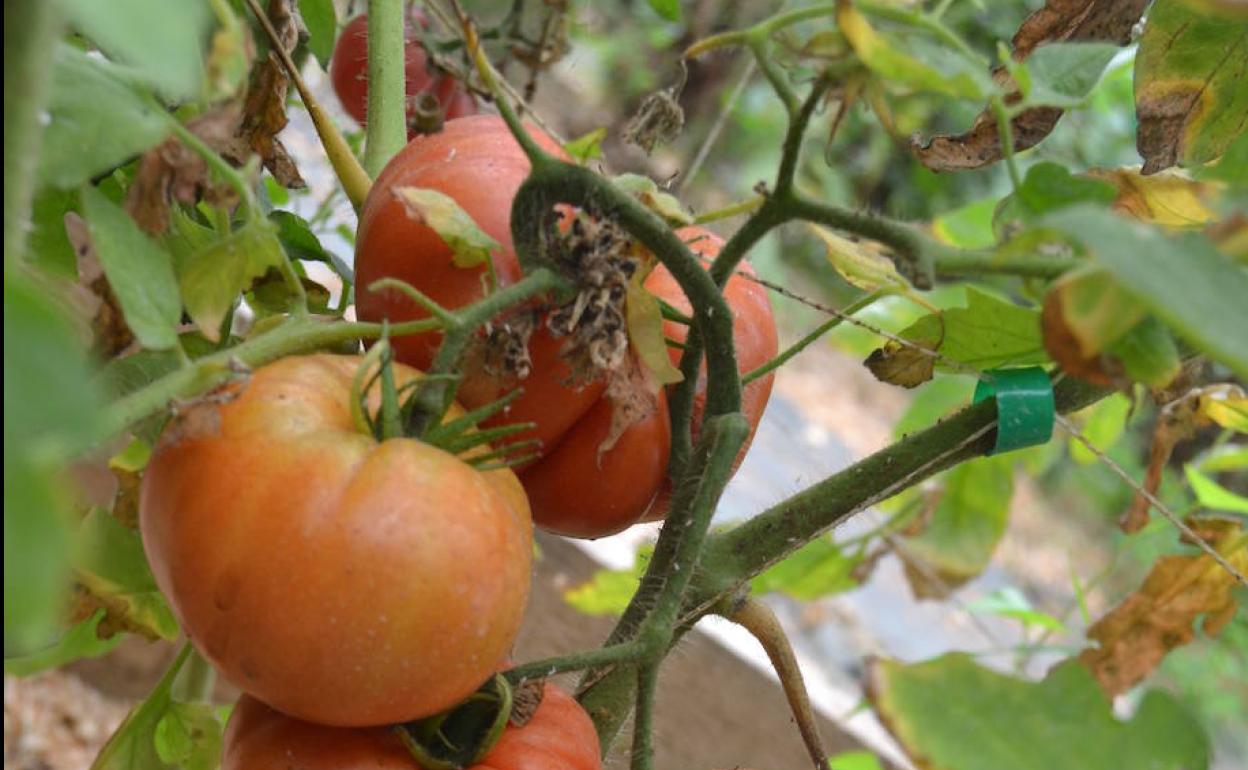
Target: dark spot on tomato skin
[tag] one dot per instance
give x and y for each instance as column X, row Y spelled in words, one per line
column 225, row 592
column 248, row 667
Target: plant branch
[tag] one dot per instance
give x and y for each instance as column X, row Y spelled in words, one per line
column 643, row 725
column 576, row 661
column 386, row 132
column 355, row 181
column 780, row 360
column 761, row 622
column 31, row 28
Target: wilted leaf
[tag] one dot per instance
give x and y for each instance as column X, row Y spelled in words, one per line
column 215, row 274
column 111, row 565
column 861, row 263
column 1137, row 634
column 1167, row 199
column 644, row 318
column 963, row 532
column 95, row 122
column 1181, row 277
column 585, row 148
column 644, row 189
column 1088, row 306
column 951, row 713
column 1190, row 94
column 229, row 58
column 172, row 172
column 908, row 365
column 894, row 62
column 470, row 245
column 139, row 272
column 819, row 568
column 1064, row 72
column 93, row 298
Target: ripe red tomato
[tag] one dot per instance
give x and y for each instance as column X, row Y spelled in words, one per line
column 560, row 736
column 348, row 70
column 339, row 579
column 571, row 489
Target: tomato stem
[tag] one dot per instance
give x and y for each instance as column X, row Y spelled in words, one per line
column 762, row 371
column 761, row 622
column 643, row 725
column 386, row 130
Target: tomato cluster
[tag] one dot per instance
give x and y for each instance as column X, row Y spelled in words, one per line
column 348, row 71
column 573, row 488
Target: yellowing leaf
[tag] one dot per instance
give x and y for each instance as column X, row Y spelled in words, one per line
column 645, row 190
column 469, row 244
column 1092, row 308
column 892, row 63
column 645, row 331
column 861, row 263
column 1169, row 199
column 1226, row 405
column 1136, row 635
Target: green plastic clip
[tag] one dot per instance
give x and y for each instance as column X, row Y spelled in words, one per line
column 1025, row 410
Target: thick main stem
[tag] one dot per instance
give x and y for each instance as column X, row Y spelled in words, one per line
column 387, row 85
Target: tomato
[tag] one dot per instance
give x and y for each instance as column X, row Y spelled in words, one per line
column 348, row 70
column 572, row 490
column 560, row 736
column 341, row 580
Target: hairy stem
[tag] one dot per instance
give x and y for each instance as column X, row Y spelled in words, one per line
column 576, row 661
column 387, row 88
column 761, row 622
column 780, row 360
column 31, row 28
column 643, row 726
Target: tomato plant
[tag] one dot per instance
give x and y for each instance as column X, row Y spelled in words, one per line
column 476, row 162
column 348, row 71
column 269, row 518
column 558, row 736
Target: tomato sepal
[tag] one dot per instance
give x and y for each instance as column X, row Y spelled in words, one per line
column 461, row 736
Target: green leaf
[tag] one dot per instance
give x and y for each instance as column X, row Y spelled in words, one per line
column 111, row 564
column 969, row 226
column 1063, row 74
column 644, row 317
column 1191, row 85
column 912, row 61
column 606, row 593
column 1182, row 278
column 162, row 40
column 189, row 736
column 586, row 147
column 967, row 525
column 1048, row 187
column 933, row 401
column 95, row 122
column 139, row 272
column 81, row 641
column 301, row 243
column 133, row 744
column 668, row 9
column 1102, row 425
column 212, row 277
column 817, row 569
column 854, row 760
column 469, row 244
column 986, row 334
column 645, row 190
column 1226, row 458
column 1009, row 602
column 48, row 245
column 321, row 20
column 956, row 714
column 1213, row 495
column 1148, row 353
column 51, row 411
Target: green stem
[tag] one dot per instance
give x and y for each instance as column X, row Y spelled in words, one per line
column 950, row 262
column 774, row 74
column 744, row 207
column 294, row 336
column 1005, row 127
column 643, row 725
column 576, row 661
column 797, row 347
column 31, row 28
column 387, row 95
column 195, row 680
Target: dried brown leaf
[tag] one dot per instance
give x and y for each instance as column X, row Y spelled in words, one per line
column 1136, row 635
column 172, row 172
column 906, row 365
column 1057, row 21
column 525, row 698
column 93, row 297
